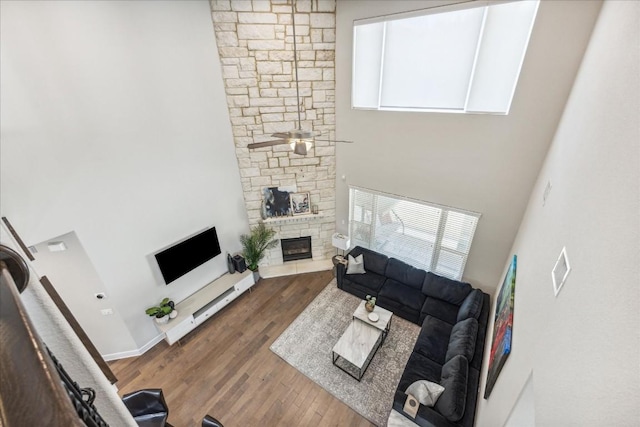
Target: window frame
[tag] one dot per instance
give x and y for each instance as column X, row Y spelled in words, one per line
column 367, row 224
column 472, row 103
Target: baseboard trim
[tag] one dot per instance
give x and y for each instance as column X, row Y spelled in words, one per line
column 133, row 353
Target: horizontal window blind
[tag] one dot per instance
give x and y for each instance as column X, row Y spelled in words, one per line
column 432, row 237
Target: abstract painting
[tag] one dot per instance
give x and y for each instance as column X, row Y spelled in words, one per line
column 276, row 202
column 502, row 328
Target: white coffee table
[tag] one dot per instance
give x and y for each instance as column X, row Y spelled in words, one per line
column 358, row 344
column 384, row 318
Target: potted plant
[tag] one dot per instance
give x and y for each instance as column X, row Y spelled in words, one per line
column 370, row 304
column 163, row 312
column 254, row 245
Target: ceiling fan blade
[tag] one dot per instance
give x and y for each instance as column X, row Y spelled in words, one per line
column 267, row 143
column 335, row 140
column 281, row 135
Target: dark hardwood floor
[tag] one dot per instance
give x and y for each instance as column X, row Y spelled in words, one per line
column 224, row 368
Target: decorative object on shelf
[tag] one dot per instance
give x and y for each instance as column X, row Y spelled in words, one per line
column 255, row 244
column 370, row 304
column 275, row 201
column 300, row 203
column 230, row 267
column 161, row 312
column 314, row 209
column 373, row 317
column 239, row 264
column 340, row 241
column 173, row 314
column 502, row 327
column 263, row 210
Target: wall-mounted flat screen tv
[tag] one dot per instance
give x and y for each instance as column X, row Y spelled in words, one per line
column 179, row 259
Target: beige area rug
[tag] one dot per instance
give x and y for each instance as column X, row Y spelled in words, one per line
column 306, row 345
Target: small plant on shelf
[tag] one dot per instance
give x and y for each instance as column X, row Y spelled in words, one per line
column 370, row 304
column 163, row 311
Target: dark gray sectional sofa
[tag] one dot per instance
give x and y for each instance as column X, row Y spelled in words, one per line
column 450, row 346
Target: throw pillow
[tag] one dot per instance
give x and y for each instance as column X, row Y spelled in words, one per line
column 471, row 306
column 452, row 403
column 463, row 339
column 425, row 391
column 356, row 265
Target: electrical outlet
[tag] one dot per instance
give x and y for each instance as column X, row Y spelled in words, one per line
column 106, row 311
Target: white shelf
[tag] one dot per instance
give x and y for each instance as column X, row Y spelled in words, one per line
column 201, row 305
column 295, row 218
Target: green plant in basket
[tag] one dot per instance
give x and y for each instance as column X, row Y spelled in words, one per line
column 163, row 309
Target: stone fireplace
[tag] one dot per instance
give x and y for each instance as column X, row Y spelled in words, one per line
column 255, row 45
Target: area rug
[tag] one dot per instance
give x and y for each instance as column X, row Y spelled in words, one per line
column 306, row 345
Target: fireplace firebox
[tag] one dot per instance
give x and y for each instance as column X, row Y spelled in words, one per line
column 297, row 248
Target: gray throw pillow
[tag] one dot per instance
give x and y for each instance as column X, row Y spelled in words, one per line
column 452, row 403
column 463, row 339
column 356, row 265
column 426, row 392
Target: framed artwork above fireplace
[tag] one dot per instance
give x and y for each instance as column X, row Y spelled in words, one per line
column 300, row 203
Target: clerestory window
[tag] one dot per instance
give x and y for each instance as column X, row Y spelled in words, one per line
column 446, row 59
column 428, row 236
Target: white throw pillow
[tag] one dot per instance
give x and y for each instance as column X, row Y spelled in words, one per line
column 425, row 392
column 356, row 265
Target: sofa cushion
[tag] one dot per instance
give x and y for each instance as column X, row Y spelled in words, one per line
column 452, row 402
column 433, row 339
column 369, row 283
column 405, row 273
column 463, row 339
column 419, row 367
column 442, row 288
column 355, row 265
column 373, row 261
column 471, row 306
column 441, row 309
column 426, row 392
column 405, row 295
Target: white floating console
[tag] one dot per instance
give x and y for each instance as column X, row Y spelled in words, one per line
column 204, row 303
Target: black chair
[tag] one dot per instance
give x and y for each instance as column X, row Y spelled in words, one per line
column 147, row 407
column 209, row 421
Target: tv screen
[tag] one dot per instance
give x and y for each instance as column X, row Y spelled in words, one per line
column 179, row 259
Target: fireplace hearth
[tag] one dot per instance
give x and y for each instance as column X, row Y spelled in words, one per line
column 297, row 248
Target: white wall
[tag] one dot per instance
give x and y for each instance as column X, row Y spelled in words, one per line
column 114, row 125
column 582, row 347
column 483, row 163
column 74, row 277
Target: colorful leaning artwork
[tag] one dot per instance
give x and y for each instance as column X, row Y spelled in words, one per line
column 502, row 328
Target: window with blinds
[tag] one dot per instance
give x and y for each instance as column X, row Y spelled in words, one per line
column 428, row 236
column 463, row 58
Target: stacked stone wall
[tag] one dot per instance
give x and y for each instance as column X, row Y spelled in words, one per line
column 255, row 44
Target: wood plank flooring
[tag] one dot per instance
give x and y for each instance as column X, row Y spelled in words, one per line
column 225, row 369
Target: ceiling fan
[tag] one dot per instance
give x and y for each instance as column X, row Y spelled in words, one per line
column 299, row 139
